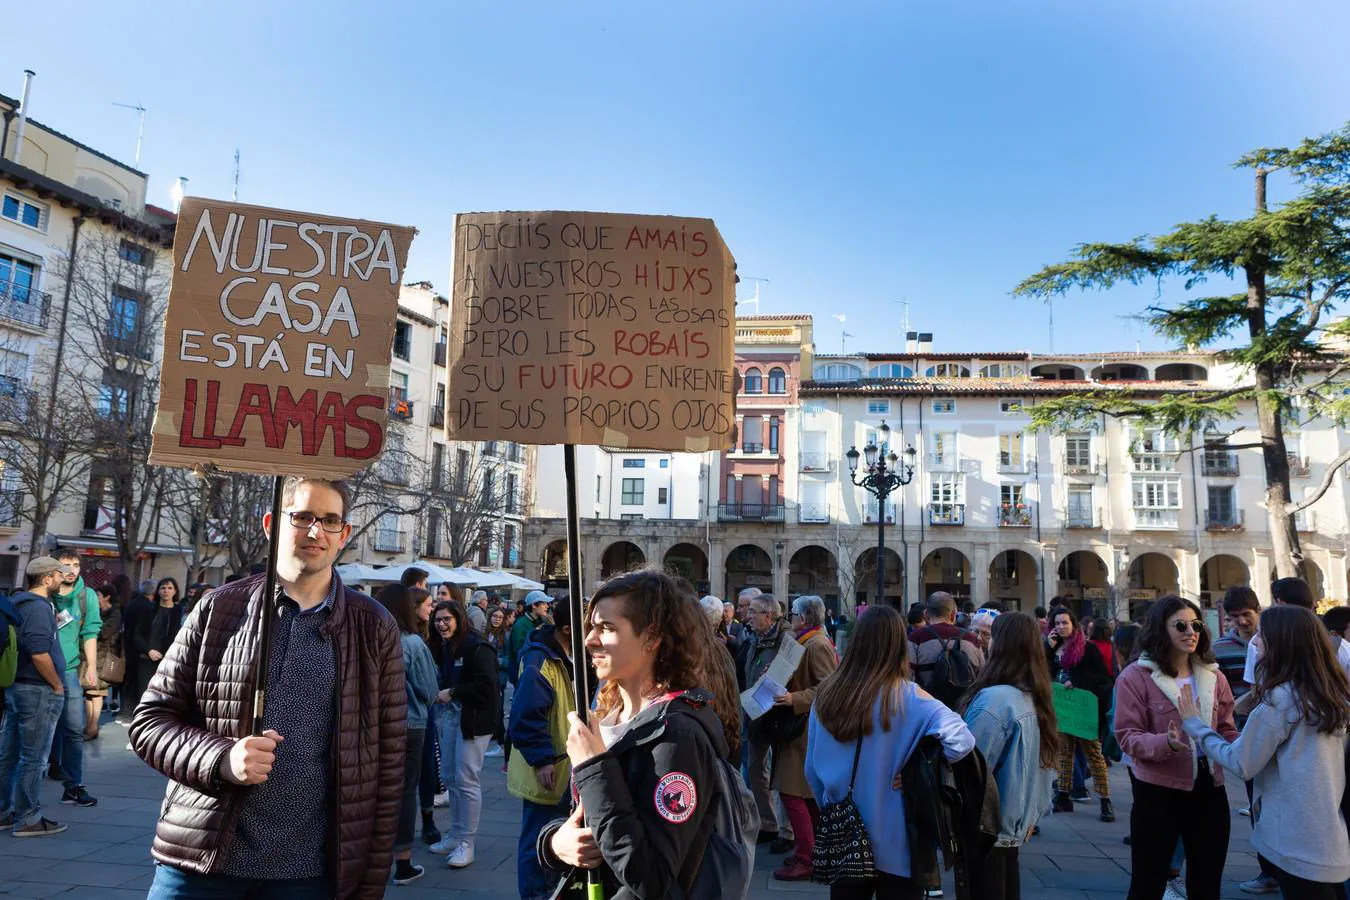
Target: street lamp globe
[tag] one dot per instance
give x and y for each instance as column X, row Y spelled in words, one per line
column 870, row 452
column 852, row 456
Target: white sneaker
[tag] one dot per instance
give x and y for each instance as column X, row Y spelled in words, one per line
column 1176, row 889
column 494, row 750
column 448, row 844
column 441, row 800
column 461, row 857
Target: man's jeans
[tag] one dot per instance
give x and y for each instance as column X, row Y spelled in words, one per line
column 31, row 714
column 68, row 745
column 175, row 884
column 533, row 880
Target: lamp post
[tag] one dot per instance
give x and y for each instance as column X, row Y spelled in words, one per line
column 883, row 475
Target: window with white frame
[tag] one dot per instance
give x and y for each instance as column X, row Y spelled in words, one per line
column 1078, row 452
column 1010, row 405
column 947, row 489
column 944, row 406
column 1002, row 370
column 777, row 380
column 890, row 370
column 1010, row 452
column 1156, row 500
column 943, row 449
column 1079, row 511
column 878, row 407
column 838, row 372
column 1222, row 512
column 1013, row 508
column 634, row 463
column 947, row 370
column 25, row 211
column 1154, row 450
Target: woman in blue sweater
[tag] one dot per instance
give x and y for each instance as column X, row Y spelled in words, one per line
column 870, row 698
column 420, row 671
column 1011, row 712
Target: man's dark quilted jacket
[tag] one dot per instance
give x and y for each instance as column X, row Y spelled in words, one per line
column 199, row 704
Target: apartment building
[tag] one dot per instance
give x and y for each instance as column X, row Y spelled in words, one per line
column 66, row 208
column 1109, row 515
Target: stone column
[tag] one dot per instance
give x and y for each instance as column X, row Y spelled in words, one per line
column 1188, row 574
column 979, row 574
column 1336, row 576
column 1049, row 576
column 717, row 569
column 1262, row 569
column 780, row 573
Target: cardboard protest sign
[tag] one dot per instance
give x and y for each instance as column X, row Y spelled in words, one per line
column 592, row 328
column 277, row 340
column 1075, row 711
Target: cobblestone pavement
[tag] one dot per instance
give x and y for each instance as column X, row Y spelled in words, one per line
column 105, row 853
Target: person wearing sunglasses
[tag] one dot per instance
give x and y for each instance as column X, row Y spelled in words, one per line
column 1178, row 791
column 308, row 808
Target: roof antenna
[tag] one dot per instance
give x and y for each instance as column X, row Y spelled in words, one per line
column 754, row 299
column 235, row 196
column 140, row 132
column 844, row 334
column 1050, row 304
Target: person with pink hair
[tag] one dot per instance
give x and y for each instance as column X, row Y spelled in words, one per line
column 1076, row 662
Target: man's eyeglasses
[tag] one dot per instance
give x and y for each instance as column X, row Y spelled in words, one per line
column 332, row 523
column 1196, row 627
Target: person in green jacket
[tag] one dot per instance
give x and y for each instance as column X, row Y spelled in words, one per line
column 78, row 622
column 536, row 613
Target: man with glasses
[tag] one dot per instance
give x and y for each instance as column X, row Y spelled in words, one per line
column 766, row 631
column 309, row 808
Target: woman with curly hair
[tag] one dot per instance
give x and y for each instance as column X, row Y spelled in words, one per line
column 646, row 769
column 1293, row 749
column 1076, row 662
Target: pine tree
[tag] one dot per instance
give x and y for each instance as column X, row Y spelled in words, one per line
column 1294, row 258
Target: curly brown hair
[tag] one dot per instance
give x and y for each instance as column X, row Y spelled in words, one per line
column 653, row 603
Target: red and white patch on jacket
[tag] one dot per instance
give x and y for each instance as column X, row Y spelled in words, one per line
column 676, row 798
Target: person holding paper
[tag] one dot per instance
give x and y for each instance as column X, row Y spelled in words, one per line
column 1076, row 663
column 1177, row 790
column 309, row 808
column 818, row 662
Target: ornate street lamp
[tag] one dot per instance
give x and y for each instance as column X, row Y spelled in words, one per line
column 883, row 475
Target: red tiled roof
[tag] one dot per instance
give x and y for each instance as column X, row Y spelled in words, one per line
column 779, row 318
column 872, row 357
column 1000, row 386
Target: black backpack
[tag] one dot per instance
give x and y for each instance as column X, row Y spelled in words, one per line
column 951, row 673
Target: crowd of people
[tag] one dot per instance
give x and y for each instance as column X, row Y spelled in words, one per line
column 715, row 731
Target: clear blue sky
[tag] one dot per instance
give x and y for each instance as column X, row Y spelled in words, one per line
column 852, row 153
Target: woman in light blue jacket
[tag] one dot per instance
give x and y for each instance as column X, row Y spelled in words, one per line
column 1010, row 711
column 870, row 701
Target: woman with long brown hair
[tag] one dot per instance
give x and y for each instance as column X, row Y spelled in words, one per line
column 1177, row 792
column 1293, row 749
column 1076, row 662
column 646, row 769
column 1011, row 712
column 869, row 709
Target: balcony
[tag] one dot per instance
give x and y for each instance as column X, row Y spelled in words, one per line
column 1079, row 466
column 750, row 512
column 130, row 345
column 870, row 514
column 400, row 407
column 14, row 407
column 1156, row 519
column 394, row 472
column 1226, row 520
column 438, row 417
column 813, row 513
column 1154, row 462
column 814, row 461
column 942, row 462
column 1082, row 518
column 946, row 514
column 748, row 447
column 11, row 506
column 1012, row 466
column 389, row 541
column 1014, row 515
column 1222, row 464
column 24, row 306
column 1298, row 466
column 441, row 352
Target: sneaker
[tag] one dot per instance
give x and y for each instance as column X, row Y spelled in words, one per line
column 446, row 845
column 441, row 800
column 406, row 873
column 78, row 796
column 932, row 892
column 506, row 769
column 1176, row 890
column 1062, row 803
column 494, row 750
column 461, row 857
column 1245, row 811
column 1261, row 884
column 1080, row 796
column 40, row 828
column 793, row 870
column 1108, row 811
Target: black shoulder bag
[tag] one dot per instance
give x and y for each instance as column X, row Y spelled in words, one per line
column 843, row 851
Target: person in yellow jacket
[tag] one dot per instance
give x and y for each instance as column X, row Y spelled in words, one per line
column 538, row 771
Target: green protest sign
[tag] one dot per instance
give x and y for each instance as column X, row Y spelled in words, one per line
column 1076, row 711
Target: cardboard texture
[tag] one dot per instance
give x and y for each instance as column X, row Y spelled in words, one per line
column 277, row 340
column 592, row 328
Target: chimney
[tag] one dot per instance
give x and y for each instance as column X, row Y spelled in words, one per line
column 28, row 75
column 926, row 342
column 911, row 342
